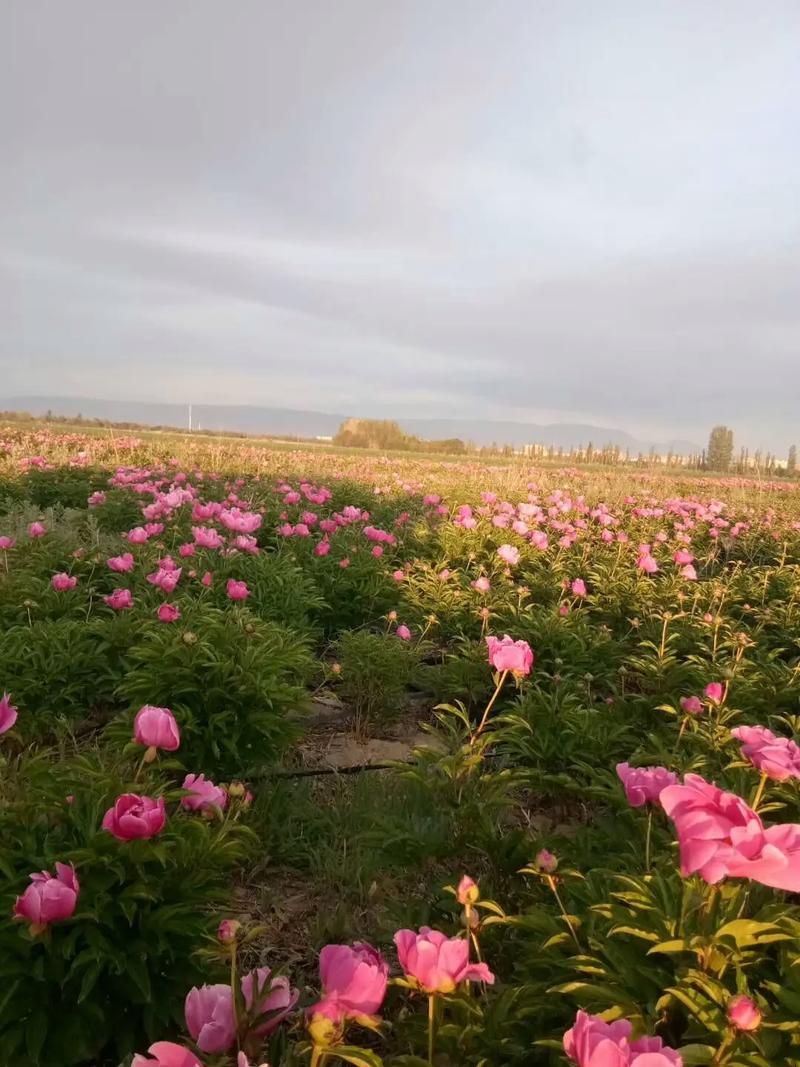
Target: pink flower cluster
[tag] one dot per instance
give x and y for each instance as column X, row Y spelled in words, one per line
column 592, row 1042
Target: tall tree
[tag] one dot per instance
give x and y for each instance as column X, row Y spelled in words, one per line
column 791, row 460
column 720, row 449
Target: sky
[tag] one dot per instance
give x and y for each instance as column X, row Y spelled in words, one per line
column 555, row 211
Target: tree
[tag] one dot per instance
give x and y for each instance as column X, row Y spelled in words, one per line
column 791, row 460
column 720, row 449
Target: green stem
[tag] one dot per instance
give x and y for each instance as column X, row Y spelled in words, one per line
column 489, row 706
column 431, row 1026
column 647, row 841
column 759, row 792
column 552, row 883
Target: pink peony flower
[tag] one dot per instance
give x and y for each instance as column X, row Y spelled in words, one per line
column 36, row 529
column 545, row 861
column 120, row 599
column 436, row 963
column 62, row 582
column 202, row 794
column 166, row 1054
column 467, row 891
column 274, row 999
column 578, row 587
column 592, row 1042
column 643, row 785
column 743, row 1013
column 354, row 980
column 777, row 757
column 714, row 692
column 168, row 613
column 135, row 816
column 403, row 632
column 647, row 563
column 121, row 563
column 210, row 1017
column 508, row 554
column 692, row 705
column 49, row 898
column 156, row 728
column 720, row 836
column 510, row 655
column 482, row 584
column 228, row 930
column 7, row 543
column 237, row 590
column 8, row 713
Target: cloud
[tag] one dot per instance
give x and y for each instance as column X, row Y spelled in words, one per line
column 453, row 209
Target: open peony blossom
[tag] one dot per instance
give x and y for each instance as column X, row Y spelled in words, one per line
column 592, row 1042
column 63, row 581
column 508, row 554
column 8, row 713
column 510, row 655
column 237, row 590
column 202, row 794
column 354, row 980
column 436, row 963
column 271, row 998
column 210, row 1018
column 692, row 705
column 777, row 757
column 120, row 599
column 720, row 837
column 168, row 613
column 156, row 728
column 49, row 898
column 578, row 587
column 644, row 785
column 135, row 817
column 166, row 1054
column 120, row 564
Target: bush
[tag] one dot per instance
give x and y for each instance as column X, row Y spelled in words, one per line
column 110, row 979
column 375, row 670
column 233, row 681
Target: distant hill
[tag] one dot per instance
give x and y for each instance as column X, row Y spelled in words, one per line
column 285, row 421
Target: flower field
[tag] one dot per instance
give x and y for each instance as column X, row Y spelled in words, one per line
column 583, row 849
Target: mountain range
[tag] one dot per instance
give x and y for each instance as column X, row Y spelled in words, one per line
column 285, row 421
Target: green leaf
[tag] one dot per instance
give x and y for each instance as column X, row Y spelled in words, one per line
column 359, row 1057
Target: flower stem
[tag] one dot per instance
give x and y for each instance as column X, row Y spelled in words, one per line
column 647, row 841
column 431, row 1026
column 552, row 883
column 759, row 792
column 489, row 706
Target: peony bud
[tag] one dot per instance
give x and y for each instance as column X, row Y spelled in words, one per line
column 228, row 931
column 744, row 1013
column 545, row 861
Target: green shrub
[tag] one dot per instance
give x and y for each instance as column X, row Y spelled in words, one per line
column 375, row 670
column 233, row 681
column 112, row 978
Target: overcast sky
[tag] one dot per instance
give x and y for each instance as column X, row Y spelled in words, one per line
column 562, row 211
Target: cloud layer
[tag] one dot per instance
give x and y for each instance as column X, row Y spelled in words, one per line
column 577, row 211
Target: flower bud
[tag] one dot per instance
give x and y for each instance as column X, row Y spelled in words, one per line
column 236, row 789
column 744, row 1013
column 467, row 891
column 228, row 931
column 545, row 861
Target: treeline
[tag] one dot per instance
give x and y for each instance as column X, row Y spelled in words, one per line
column 386, row 435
